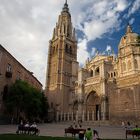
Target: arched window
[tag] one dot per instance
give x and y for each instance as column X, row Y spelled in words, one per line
column 70, row 50
column 91, row 73
column 129, row 64
column 56, row 48
column 68, row 31
column 124, row 66
column 66, row 48
column 97, row 71
column 111, row 74
column 64, row 28
column 53, row 50
column 136, row 63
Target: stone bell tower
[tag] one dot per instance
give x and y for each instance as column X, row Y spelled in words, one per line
column 62, row 64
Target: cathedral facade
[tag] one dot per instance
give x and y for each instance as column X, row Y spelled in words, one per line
column 106, row 88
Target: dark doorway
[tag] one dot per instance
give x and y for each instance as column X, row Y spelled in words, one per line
column 97, row 110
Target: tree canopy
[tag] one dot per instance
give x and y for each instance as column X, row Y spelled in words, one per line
column 24, row 100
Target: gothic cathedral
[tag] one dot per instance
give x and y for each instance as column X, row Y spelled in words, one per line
column 107, row 88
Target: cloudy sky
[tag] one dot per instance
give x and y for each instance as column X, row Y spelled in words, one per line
column 26, row 27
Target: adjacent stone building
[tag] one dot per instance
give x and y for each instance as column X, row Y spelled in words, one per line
column 10, row 71
column 106, row 88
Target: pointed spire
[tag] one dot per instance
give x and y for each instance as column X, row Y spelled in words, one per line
column 66, row 2
column 128, row 29
column 65, row 8
column 53, row 33
column 73, row 35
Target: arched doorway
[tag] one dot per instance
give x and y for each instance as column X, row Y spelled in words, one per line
column 93, row 106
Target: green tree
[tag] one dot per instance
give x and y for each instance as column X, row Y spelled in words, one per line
column 23, row 99
column 44, row 107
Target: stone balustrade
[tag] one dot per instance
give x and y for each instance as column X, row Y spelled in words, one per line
column 84, row 116
column 93, row 80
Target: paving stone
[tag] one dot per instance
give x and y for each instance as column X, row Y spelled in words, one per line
column 57, row 129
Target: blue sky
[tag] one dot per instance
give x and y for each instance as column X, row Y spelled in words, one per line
column 26, row 27
column 113, row 38
column 104, row 26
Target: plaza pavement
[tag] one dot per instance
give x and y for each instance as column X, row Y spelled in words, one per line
column 57, row 129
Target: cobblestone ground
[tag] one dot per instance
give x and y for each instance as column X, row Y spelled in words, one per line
column 58, row 130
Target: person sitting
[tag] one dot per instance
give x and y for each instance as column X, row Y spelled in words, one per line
column 80, row 126
column 34, row 125
column 70, row 127
column 75, row 126
column 81, row 135
column 123, row 124
column 26, row 127
column 33, row 129
column 20, row 127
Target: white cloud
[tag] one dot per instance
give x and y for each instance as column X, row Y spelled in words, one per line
column 93, row 51
column 108, row 48
column 83, row 54
column 102, row 17
column 131, row 21
column 99, row 18
column 108, row 51
column 135, row 7
column 26, row 27
column 121, row 5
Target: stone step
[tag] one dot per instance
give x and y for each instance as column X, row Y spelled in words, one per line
column 88, row 123
column 99, row 123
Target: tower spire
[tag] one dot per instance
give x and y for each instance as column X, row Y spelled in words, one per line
column 65, row 8
column 128, row 29
column 62, row 50
column 66, row 2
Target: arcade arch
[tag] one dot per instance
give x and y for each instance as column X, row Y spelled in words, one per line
column 93, row 105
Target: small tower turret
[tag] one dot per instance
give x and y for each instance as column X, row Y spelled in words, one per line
column 128, row 29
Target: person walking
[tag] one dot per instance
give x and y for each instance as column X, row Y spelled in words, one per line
column 88, row 134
